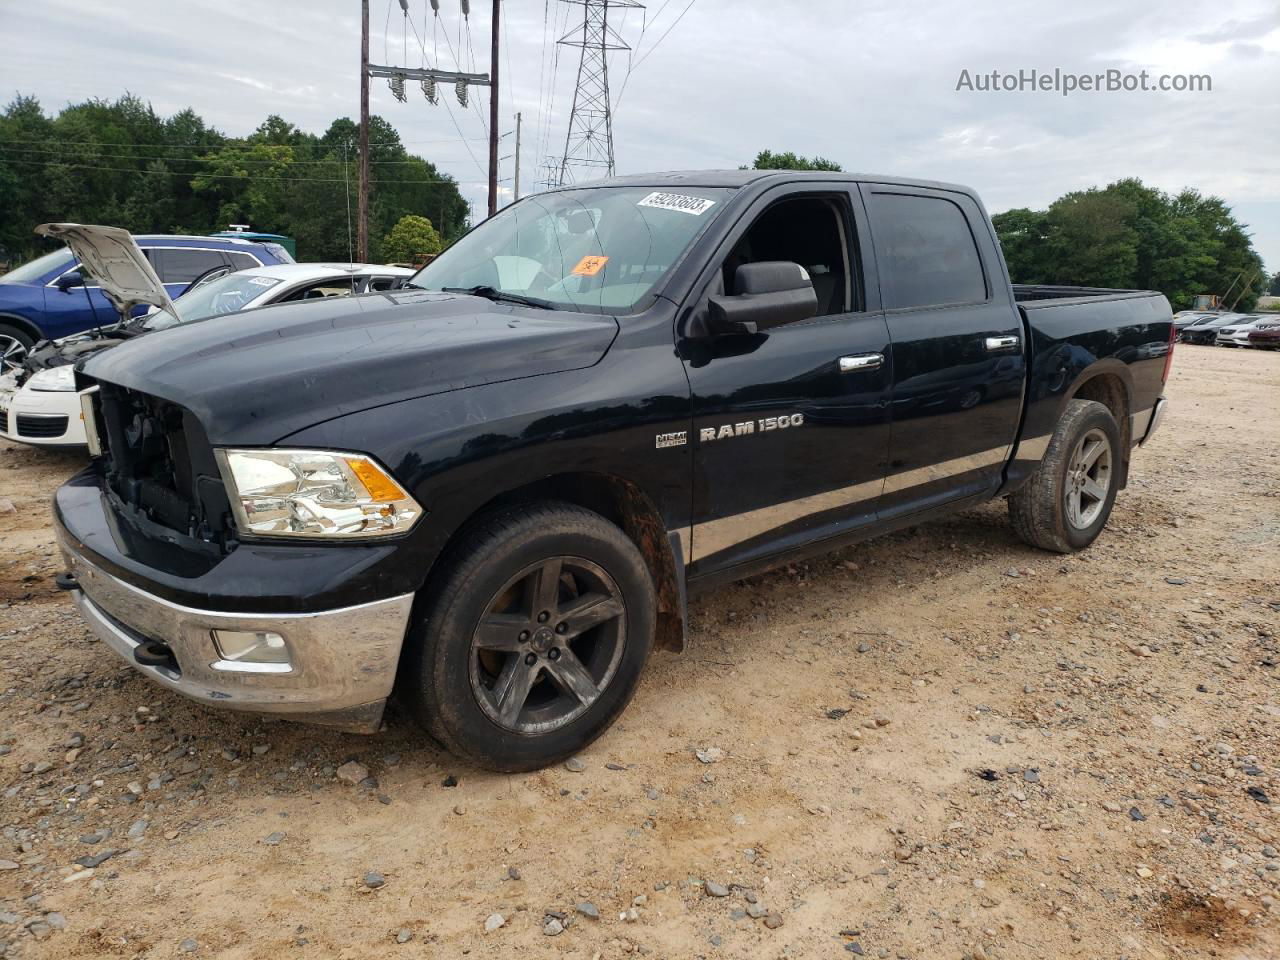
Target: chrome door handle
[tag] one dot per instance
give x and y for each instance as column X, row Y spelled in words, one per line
column 863, row 361
column 1001, row 343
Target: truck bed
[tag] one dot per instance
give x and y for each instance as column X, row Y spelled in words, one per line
column 1027, row 293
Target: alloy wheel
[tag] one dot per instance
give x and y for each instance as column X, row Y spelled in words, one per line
column 12, row 352
column 1089, row 476
column 548, row 645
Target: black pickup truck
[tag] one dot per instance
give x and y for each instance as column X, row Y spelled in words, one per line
column 491, row 494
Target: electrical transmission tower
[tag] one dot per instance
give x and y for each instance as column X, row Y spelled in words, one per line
column 588, row 146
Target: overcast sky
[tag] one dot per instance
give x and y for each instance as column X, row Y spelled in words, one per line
column 870, row 84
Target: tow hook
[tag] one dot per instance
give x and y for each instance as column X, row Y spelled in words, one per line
column 67, row 581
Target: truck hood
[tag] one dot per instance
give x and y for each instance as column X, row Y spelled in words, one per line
column 257, row 377
column 123, row 273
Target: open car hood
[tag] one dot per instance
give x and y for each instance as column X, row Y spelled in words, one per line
column 114, row 260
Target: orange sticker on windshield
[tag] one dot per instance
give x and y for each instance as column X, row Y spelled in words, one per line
column 589, row 266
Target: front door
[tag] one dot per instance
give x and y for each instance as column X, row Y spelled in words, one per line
column 958, row 356
column 790, row 425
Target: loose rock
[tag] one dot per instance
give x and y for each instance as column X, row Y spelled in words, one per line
column 352, row 772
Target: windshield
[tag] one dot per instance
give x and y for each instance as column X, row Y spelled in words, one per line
column 30, row 272
column 228, row 294
column 603, row 249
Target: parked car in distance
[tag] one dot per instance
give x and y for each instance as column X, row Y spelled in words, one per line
column 1185, row 318
column 1266, row 333
column 1205, row 330
column 50, row 297
column 492, row 492
column 39, row 405
column 246, row 234
column 1236, row 333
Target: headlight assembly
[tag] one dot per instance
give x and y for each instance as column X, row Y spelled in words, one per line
column 54, row 379
column 315, row 494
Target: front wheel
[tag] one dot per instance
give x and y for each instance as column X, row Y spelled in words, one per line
column 533, row 641
column 1067, row 501
column 14, row 346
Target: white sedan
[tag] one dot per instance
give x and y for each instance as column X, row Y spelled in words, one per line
column 43, row 409
column 1236, row 334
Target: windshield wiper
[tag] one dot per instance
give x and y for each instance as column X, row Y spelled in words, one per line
column 501, row 296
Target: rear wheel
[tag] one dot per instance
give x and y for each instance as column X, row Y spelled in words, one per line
column 14, row 344
column 534, row 640
column 1067, row 501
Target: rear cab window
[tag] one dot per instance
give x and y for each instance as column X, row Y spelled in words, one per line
column 925, row 250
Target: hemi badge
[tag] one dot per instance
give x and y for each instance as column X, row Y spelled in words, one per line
column 677, row 439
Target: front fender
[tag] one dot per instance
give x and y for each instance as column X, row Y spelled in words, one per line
column 457, row 452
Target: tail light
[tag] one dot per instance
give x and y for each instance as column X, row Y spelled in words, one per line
column 1168, row 357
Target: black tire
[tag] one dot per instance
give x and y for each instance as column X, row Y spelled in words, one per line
column 9, row 336
column 1042, row 509
column 452, row 688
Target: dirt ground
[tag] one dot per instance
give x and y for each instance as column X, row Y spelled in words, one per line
column 940, row 744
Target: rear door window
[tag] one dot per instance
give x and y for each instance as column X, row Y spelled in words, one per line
column 177, row 265
column 926, row 253
column 242, row 261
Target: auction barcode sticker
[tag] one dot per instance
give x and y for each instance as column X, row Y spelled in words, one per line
column 677, row 201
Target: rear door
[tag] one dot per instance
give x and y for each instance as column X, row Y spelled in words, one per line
column 957, row 346
column 790, row 425
column 179, row 267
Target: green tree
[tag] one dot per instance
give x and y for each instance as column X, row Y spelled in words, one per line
column 118, row 162
column 1274, row 289
column 768, row 160
column 1090, row 240
column 1022, row 234
column 411, row 239
column 1131, row 235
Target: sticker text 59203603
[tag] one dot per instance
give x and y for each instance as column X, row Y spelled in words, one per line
column 680, row 202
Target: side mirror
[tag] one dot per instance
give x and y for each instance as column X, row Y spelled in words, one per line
column 766, row 294
column 73, row 278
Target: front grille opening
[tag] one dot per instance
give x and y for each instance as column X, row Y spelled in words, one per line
column 35, row 425
column 157, row 460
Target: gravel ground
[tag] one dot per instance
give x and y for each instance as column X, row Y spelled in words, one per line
column 940, row 744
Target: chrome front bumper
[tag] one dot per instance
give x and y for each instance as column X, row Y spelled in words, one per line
column 342, row 662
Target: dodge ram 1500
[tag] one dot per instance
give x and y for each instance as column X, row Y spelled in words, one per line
column 492, row 493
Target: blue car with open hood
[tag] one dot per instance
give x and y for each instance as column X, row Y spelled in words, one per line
column 50, row 297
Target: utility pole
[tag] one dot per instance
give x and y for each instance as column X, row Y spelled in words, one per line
column 428, row 77
column 493, row 111
column 362, row 217
column 589, row 141
column 517, row 183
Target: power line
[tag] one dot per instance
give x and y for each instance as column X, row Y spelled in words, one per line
column 636, row 62
column 545, row 141
column 644, row 27
column 422, row 42
column 542, row 69
column 230, row 142
column 229, row 176
column 658, row 42
column 203, row 159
